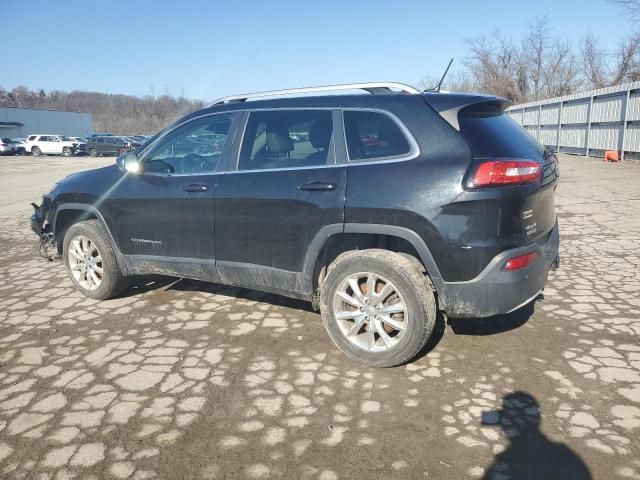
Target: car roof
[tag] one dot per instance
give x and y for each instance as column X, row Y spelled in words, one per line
column 392, row 100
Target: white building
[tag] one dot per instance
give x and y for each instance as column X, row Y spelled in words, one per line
column 22, row 122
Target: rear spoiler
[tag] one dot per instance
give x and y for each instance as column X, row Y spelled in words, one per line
column 449, row 105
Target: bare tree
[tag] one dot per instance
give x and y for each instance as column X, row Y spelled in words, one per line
column 602, row 68
column 593, row 61
column 630, row 7
column 540, row 65
column 627, row 60
column 494, row 65
column 458, row 81
column 549, row 63
column 534, row 49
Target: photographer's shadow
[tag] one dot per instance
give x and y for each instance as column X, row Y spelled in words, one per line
column 530, row 455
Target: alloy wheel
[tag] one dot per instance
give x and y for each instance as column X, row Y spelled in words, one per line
column 370, row 312
column 85, row 262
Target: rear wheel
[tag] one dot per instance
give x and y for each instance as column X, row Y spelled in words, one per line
column 36, row 152
column 90, row 261
column 377, row 307
column 93, row 152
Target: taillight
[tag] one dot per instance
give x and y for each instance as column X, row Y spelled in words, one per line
column 506, row 172
column 522, row 261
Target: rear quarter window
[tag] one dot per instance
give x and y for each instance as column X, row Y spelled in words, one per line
column 492, row 135
column 373, row 135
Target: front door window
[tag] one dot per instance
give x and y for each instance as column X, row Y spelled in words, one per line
column 193, row 149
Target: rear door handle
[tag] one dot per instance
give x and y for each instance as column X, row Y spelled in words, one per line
column 317, row 187
column 195, row 187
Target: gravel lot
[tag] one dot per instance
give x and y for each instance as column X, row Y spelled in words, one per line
column 182, row 379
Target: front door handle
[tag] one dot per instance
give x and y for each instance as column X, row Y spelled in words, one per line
column 195, row 187
column 317, row 187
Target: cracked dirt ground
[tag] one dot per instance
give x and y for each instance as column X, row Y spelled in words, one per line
column 183, row 379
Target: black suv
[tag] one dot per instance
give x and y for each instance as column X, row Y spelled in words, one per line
column 110, row 145
column 378, row 208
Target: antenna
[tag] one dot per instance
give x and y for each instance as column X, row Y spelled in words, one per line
column 437, row 87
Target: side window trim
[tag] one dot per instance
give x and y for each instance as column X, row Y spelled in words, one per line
column 332, row 160
column 414, row 148
column 226, row 150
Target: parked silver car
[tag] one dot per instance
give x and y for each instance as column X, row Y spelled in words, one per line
column 19, row 146
column 7, row 147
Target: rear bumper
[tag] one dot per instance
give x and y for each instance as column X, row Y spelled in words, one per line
column 496, row 291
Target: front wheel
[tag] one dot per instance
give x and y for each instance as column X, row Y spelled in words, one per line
column 66, row 151
column 90, row 261
column 93, row 152
column 377, row 307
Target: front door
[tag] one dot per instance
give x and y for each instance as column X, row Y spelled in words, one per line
column 164, row 214
column 284, row 189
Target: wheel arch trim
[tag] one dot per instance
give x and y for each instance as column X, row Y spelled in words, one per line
column 94, row 211
column 323, row 235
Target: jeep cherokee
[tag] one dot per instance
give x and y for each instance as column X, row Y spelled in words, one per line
column 380, row 208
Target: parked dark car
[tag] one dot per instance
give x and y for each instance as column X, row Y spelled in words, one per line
column 110, row 145
column 103, row 134
column 387, row 208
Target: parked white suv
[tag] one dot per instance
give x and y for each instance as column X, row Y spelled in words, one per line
column 50, row 145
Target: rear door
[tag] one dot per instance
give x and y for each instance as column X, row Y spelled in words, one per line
column 109, row 146
column 44, row 144
column 283, row 188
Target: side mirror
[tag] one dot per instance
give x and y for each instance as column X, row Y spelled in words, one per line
column 129, row 163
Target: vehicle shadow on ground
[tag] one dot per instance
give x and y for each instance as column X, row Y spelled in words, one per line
column 493, row 325
column 185, row 285
column 142, row 284
column 529, row 455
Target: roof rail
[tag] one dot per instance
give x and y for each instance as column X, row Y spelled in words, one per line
column 371, row 87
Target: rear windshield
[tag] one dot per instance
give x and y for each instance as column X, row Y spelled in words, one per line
column 491, row 135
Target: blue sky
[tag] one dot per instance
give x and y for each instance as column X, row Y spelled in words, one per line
column 209, row 49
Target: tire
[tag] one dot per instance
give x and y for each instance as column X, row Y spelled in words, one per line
column 411, row 292
column 36, row 152
column 122, row 151
column 93, row 152
column 91, row 234
column 66, row 151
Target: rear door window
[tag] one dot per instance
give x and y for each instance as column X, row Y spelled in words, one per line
column 373, row 135
column 287, row 139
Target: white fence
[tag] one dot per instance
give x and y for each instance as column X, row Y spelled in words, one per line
column 586, row 123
